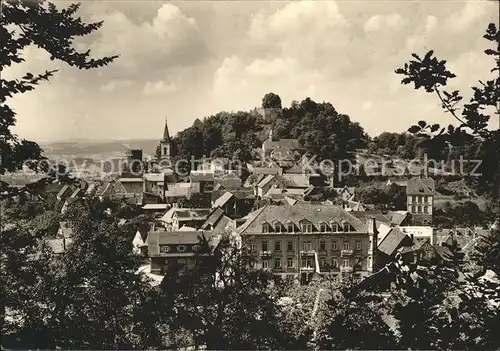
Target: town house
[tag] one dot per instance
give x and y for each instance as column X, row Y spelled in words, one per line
column 303, row 240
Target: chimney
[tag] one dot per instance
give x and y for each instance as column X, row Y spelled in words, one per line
column 411, row 236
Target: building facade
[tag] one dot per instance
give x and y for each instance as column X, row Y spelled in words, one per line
column 420, row 200
column 304, row 240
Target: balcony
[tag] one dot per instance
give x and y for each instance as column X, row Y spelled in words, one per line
column 346, row 269
column 265, row 253
column 307, row 252
column 346, row 253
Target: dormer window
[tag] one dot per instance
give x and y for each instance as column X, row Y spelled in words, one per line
column 265, row 228
column 277, row 227
column 323, row 227
column 306, row 227
column 347, row 227
column 335, row 227
column 181, row 248
column 290, row 227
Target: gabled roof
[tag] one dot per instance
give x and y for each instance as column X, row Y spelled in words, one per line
column 202, row 176
column 157, row 238
column 76, row 193
column 157, row 207
column 156, row 177
column 378, row 215
column 265, row 170
column 393, row 241
column 64, row 191
column 420, row 186
column 222, row 200
column 397, row 217
column 213, row 218
column 300, row 211
column 266, row 180
column 190, row 213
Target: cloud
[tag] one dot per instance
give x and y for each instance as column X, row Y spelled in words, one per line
column 159, row 87
column 170, row 39
column 378, row 22
column 470, row 14
column 114, row 85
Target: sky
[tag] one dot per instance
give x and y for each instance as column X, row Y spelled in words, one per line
column 191, row 59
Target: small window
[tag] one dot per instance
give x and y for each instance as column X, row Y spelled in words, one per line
column 322, row 245
column 252, row 247
column 419, row 209
column 164, row 248
column 277, row 246
column 334, row 245
column 346, row 245
column 196, row 248
column 289, row 246
column 335, row 263
column 413, row 209
column 182, row 261
column 265, row 228
column 277, row 263
column 181, row 248
column 426, row 209
column 323, row 228
column 290, row 228
column 277, row 228
column 264, row 246
column 265, row 264
column 347, row 263
column 322, row 262
column 306, row 246
column 335, row 227
column 358, row 245
column 347, row 227
column 289, row 263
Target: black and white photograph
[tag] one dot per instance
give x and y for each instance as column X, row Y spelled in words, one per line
column 250, row 175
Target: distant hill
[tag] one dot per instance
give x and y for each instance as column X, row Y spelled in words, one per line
column 96, row 149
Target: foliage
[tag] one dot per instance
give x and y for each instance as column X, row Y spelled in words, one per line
column 467, row 214
column 45, row 224
column 391, row 197
column 432, row 75
column 40, row 23
column 322, row 130
column 271, row 100
column 235, row 311
column 89, row 298
column 403, row 145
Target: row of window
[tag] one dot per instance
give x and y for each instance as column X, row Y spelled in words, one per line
column 419, row 199
column 307, row 228
column 180, row 248
column 419, row 209
column 307, row 263
column 307, row 245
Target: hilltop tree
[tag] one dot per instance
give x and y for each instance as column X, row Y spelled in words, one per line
column 39, row 23
column 271, row 100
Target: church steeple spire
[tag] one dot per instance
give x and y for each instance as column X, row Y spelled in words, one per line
column 166, row 134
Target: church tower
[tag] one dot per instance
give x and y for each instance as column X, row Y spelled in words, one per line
column 165, row 143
